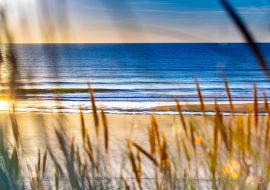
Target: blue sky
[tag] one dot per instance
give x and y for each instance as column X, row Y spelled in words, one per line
column 155, row 20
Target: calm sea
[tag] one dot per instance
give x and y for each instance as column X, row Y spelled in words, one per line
column 135, row 77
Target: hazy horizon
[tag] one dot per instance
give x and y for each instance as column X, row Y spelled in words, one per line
column 143, row 21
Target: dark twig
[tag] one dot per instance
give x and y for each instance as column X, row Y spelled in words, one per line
column 246, row 34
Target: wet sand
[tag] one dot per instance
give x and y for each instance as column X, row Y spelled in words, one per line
column 210, row 107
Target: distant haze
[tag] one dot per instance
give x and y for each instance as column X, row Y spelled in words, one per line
column 140, row 21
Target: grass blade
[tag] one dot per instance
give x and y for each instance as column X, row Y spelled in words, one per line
column 182, row 119
column 146, row 154
column 106, row 131
column 94, row 108
column 246, row 34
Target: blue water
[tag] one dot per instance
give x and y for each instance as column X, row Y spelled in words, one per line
column 139, row 76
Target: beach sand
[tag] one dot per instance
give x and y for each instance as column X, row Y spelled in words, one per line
column 210, row 107
column 38, row 129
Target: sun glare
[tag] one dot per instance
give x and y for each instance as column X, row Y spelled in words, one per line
column 4, row 105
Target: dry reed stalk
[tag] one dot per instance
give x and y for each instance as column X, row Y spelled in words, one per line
column 185, row 185
column 266, row 106
column 215, row 139
column 133, row 164
column 165, row 162
column 32, row 181
column 57, row 180
column 38, row 163
column 155, row 130
column 149, row 156
column 125, row 183
column 84, row 171
column 266, row 137
column 240, row 134
column 249, row 130
column 56, row 162
column 186, row 151
column 229, row 95
column 139, row 164
column 88, row 148
column 231, row 119
column 200, row 98
column 163, row 154
column 192, row 136
column 44, row 162
column 222, row 128
column 182, row 119
column 15, row 127
column 83, row 128
column 72, row 150
column 106, row 130
column 230, row 130
column 255, row 108
column 90, row 155
column 94, row 108
column 178, row 144
column 151, row 141
column 213, row 154
column 88, row 143
column 79, row 158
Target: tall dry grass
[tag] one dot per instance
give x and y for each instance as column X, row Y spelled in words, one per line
column 219, row 152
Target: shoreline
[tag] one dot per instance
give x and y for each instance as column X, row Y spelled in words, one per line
column 193, row 108
column 239, row 108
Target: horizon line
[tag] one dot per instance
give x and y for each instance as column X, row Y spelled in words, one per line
column 37, row 43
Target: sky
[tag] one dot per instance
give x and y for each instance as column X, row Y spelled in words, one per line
column 132, row 21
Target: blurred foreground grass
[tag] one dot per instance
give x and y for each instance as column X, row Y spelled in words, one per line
column 216, row 152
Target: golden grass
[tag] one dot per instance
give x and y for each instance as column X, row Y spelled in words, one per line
column 230, row 155
column 225, row 150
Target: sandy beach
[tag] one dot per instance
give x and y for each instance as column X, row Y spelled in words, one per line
column 37, row 132
column 210, row 107
column 39, row 128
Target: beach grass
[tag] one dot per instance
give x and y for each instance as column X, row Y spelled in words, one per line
column 217, row 151
column 214, row 152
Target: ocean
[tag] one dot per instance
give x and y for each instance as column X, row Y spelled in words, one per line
column 133, row 78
